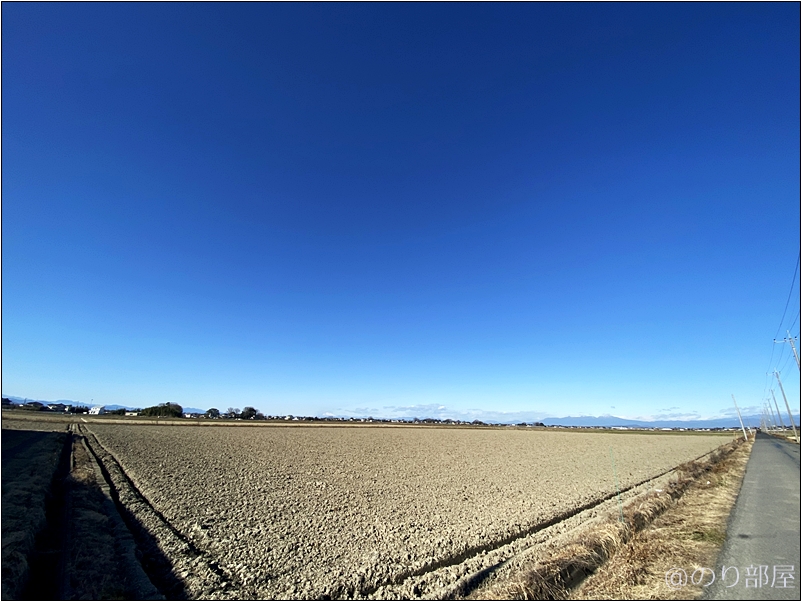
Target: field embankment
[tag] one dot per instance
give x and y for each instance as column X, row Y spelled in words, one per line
column 30, row 460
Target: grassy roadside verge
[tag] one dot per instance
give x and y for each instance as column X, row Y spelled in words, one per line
column 783, row 436
column 688, row 536
column 681, row 525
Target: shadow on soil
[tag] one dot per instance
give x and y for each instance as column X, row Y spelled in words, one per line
column 156, row 565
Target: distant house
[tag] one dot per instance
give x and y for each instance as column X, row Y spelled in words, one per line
column 97, row 410
column 57, row 407
column 132, row 413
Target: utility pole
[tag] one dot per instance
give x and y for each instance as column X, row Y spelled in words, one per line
column 773, row 417
column 739, row 417
column 779, row 422
column 778, row 410
column 790, row 416
column 790, row 340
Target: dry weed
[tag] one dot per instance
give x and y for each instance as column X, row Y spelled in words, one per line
column 688, row 535
column 659, row 530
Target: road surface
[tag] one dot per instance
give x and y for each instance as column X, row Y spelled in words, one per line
column 760, row 558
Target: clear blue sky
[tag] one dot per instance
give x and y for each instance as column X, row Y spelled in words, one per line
column 557, row 208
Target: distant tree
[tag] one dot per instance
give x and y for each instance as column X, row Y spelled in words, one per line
column 212, row 413
column 232, row 413
column 248, row 413
column 120, row 412
column 78, row 410
column 164, row 410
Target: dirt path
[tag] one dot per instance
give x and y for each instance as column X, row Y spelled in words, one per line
column 101, row 554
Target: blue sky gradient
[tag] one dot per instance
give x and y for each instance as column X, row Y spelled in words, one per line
column 311, row 208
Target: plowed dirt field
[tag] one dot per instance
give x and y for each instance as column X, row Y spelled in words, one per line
column 315, row 512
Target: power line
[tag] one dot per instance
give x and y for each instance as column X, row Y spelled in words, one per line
column 787, row 301
column 782, row 352
column 786, row 362
column 789, row 339
column 794, row 322
column 793, row 282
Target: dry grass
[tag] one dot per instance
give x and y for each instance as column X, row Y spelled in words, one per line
column 26, row 486
column 689, row 535
column 681, row 526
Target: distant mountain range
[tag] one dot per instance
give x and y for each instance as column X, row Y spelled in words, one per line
column 611, row 421
column 492, row 417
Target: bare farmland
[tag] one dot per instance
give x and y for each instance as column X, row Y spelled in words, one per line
column 337, row 511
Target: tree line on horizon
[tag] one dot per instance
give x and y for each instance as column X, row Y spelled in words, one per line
column 173, row 410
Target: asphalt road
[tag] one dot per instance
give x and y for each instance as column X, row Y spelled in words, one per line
column 760, row 558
